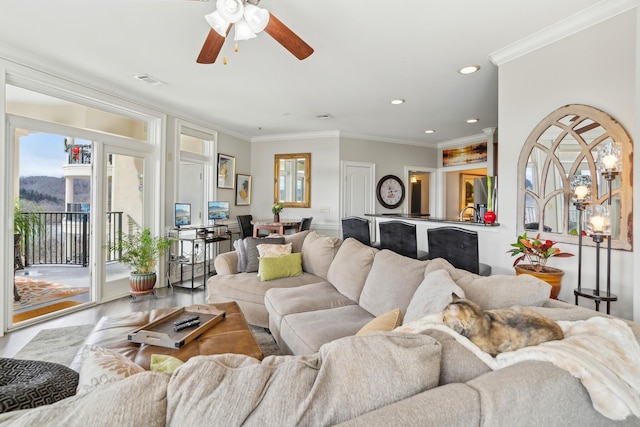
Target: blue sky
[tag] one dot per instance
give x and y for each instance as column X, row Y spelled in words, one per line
column 43, row 154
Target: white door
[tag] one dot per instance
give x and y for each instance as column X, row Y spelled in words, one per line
column 358, row 188
column 191, row 190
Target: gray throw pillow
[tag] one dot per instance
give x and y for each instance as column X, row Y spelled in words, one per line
column 251, row 246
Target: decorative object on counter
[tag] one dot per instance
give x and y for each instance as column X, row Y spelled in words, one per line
column 489, row 217
column 537, row 252
column 140, row 251
column 599, row 218
column 390, row 191
column 581, row 196
column 276, row 208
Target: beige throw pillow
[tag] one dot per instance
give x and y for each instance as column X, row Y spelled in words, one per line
column 101, row 366
column 432, row 296
column 267, row 250
column 383, row 323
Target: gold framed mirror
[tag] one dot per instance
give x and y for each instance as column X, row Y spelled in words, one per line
column 562, row 145
column 292, row 180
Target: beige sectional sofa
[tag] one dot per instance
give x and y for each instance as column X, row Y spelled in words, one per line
column 376, row 379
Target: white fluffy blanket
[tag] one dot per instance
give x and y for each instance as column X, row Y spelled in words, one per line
column 603, row 353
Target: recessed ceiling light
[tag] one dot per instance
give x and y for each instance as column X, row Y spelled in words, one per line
column 429, row 131
column 397, row 101
column 473, row 120
column 469, row 69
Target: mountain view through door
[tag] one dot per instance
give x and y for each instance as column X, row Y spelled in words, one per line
column 52, row 199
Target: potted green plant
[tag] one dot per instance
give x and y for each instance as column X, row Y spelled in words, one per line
column 26, row 222
column 276, row 208
column 537, row 252
column 141, row 251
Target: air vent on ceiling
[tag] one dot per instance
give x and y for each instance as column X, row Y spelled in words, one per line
column 324, row 116
column 149, row 79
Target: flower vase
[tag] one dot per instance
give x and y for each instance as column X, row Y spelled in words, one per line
column 551, row 275
column 489, row 217
column 276, row 218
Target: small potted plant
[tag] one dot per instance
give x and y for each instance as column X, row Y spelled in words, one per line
column 537, row 252
column 276, row 208
column 141, row 251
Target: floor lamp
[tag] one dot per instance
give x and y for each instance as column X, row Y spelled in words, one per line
column 581, row 195
column 598, row 221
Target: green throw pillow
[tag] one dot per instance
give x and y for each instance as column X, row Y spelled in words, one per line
column 282, row 266
column 165, row 363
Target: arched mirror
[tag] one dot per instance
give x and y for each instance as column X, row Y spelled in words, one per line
column 292, row 179
column 564, row 144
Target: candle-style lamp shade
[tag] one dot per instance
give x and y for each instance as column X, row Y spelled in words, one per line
column 609, row 158
column 598, row 222
column 581, row 188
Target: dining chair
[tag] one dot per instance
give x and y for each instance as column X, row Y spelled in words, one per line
column 458, row 246
column 305, row 224
column 246, row 228
column 401, row 238
column 358, row 228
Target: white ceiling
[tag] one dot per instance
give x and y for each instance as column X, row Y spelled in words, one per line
column 367, row 52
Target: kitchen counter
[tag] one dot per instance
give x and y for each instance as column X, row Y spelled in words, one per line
column 428, row 218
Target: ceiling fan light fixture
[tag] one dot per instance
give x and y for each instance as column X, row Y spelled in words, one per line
column 217, row 23
column 243, row 31
column 256, row 17
column 230, row 10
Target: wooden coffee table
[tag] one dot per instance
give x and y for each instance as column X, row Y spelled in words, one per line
column 231, row 335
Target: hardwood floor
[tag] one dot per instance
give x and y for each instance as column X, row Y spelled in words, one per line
column 13, row 341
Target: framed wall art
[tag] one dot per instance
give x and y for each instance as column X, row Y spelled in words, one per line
column 243, row 190
column 226, row 171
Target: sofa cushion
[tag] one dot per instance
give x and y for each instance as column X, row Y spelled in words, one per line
column 383, row 323
column 251, row 245
column 318, row 252
column 139, row 400
column 315, row 296
column 306, row 332
column 498, row 291
column 296, row 240
column 432, row 296
column 346, row 378
column 392, row 281
column 280, row 266
column 101, row 366
column 350, row 267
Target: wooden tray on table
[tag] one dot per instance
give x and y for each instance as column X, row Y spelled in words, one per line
column 161, row 331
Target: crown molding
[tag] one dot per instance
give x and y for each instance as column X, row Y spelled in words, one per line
column 573, row 24
column 297, row 136
column 481, row 137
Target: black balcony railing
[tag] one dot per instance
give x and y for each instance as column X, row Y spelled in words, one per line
column 63, row 238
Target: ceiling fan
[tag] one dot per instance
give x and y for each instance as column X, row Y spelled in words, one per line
column 248, row 19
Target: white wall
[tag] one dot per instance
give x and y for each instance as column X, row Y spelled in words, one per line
column 595, row 67
column 241, row 150
column 325, row 173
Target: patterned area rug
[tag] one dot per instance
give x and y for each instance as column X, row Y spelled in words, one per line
column 33, row 292
column 60, row 345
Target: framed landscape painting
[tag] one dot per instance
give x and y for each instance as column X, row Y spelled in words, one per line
column 226, row 171
column 243, row 190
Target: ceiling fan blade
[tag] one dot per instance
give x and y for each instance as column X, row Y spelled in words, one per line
column 212, row 46
column 287, row 38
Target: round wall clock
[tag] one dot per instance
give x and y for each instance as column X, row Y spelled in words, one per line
column 390, row 191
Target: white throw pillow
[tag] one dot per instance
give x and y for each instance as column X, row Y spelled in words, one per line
column 432, row 296
column 267, row 250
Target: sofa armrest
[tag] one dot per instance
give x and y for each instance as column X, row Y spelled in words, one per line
column 226, row 263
